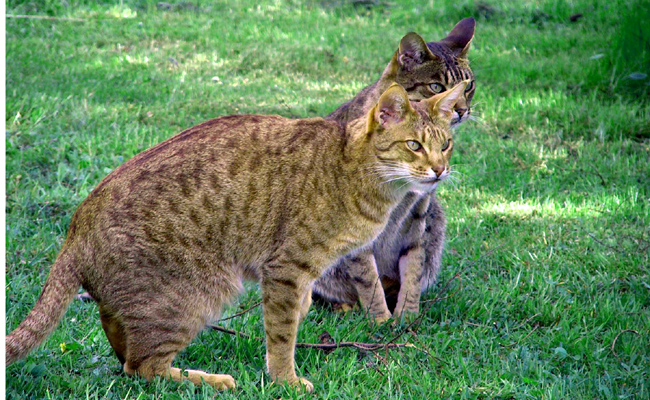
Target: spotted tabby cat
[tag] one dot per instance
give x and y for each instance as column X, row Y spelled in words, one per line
column 167, row 238
column 405, row 258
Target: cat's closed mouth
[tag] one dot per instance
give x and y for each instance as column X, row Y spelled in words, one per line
column 428, row 185
column 430, row 181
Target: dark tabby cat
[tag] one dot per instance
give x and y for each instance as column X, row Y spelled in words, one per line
column 406, row 257
column 167, row 238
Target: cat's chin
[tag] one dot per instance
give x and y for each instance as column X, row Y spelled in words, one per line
column 424, row 187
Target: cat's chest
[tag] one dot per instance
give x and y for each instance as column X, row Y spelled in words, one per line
column 331, row 241
column 361, row 228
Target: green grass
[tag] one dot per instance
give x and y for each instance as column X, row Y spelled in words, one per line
column 556, row 180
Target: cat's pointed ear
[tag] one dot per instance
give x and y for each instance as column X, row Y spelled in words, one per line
column 443, row 103
column 413, row 51
column 460, row 38
column 392, row 108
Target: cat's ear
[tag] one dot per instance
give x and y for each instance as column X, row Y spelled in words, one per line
column 392, row 108
column 460, row 38
column 413, row 51
column 443, row 103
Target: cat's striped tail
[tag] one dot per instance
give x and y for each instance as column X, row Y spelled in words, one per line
column 59, row 290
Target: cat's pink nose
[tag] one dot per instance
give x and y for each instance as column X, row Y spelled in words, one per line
column 438, row 170
column 461, row 111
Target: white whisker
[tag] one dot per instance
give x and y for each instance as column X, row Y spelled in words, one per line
column 452, row 183
column 383, row 170
column 397, row 178
column 408, row 182
column 479, row 120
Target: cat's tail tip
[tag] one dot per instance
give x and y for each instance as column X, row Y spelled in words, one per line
column 59, row 290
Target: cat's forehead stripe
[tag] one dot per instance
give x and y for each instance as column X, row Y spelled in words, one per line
column 439, row 133
column 454, row 73
column 426, row 134
column 430, row 132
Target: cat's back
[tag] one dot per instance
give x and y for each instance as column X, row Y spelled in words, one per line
column 203, row 164
column 217, row 141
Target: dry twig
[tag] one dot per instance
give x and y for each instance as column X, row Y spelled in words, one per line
column 241, row 312
column 358, row 345
column 616, row 338
column 231, row 332
column 322, row 346
column 605, row 244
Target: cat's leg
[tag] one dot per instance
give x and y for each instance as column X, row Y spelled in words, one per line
column 148, row 357
column 363, row 271
column 283, row 291
column 411, row 261
column 114, row 330
column 410, row 269
column 433, row 241
column 305, row 304
column 155, row 330
column 160, row 365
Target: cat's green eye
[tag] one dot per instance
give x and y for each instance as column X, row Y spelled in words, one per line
column 413, row 145
column 469, row 87
column 436, row 88
column 446, row 145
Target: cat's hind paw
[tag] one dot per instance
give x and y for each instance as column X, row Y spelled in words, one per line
column 220, row 382
column 217, row 381
column 345, row 307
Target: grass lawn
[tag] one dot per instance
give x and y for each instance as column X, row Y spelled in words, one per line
column 545, row 292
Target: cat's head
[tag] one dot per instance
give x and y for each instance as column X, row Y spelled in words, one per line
column 411, row 141
column 427, row 69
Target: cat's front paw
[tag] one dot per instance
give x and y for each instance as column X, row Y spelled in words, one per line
column 299, row 383
column 405, row 316
column 381, row 318
column 303, row 384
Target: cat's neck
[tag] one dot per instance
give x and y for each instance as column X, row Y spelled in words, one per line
column 361, row 161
